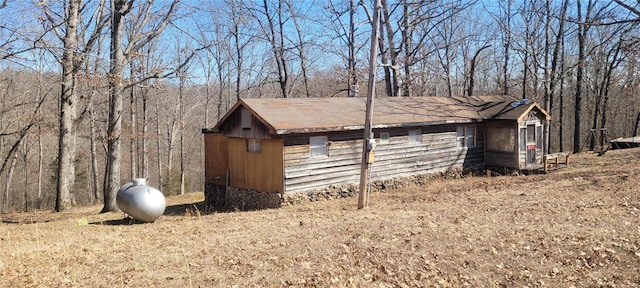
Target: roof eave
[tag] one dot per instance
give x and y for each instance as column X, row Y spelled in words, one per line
column 374, row 126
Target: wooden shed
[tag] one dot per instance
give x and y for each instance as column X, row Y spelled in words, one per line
column 294, row 144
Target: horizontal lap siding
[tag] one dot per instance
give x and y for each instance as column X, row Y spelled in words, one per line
column 341, row 166
column 437, row 152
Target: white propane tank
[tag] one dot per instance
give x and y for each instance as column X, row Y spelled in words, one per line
column 140, row 201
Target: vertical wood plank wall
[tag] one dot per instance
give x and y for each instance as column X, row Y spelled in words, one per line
column 259, row 171
column 215, row 158
column 436, row 152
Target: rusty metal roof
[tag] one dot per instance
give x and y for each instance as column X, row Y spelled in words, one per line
column 306, row 115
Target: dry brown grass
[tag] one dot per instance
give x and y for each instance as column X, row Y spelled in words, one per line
column 574, row 227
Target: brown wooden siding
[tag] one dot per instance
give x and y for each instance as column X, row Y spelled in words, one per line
column 436, row 152
column 215, row 158
column 259, row 171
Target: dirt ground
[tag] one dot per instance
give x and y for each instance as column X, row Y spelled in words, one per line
column 575, row 227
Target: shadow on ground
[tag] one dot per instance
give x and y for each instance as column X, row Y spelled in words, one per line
column 123, row 221
column 187, row 209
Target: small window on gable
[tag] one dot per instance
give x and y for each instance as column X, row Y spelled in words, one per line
column 254, row 145
column 415, row 135
column 466, row 136
column 245, row 118
column 318, row 146
column 384, row 138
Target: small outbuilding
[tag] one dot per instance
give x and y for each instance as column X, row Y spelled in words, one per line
column 296, row 144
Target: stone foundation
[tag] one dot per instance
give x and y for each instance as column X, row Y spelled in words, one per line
column 217, row 198
column 243, row 200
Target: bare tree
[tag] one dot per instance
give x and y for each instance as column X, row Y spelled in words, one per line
column 300, row 46
column 553, row 74
column 120, row 55
column 583, row 30
column 472, row 70
column 390, row 70
column 347, row 31
column 503, row 18
column 240, row 41
column 636, row 125
column 73, row 57
column 67, row 130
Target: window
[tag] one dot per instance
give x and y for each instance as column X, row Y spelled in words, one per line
column 415, row 135
column 471, row 136
column 500, row 139
column 245, row 118
column 254, row 146
column 384, row 138
column 531, row 136
column 466, row 136
column 539, row 137
column 523, row 139
column 318, row 146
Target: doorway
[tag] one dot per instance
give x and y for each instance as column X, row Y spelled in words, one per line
column 531, row 143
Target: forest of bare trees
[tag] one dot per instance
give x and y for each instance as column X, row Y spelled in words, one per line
column 94, row 93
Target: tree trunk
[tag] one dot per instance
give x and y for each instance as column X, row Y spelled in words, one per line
column 277, row 45
column 95, row 182
column 385, row 65
column 612, row 65
column 554, row 71
column 133, row 149
column 181, row 119
column 171, row 131
column 596, row 113
column 393, row 54
column 144, row 160
column 221, row 95
column 239, row 52
column 25, row 159
column 40, row 157
column 7, row 187
column 68, row 102
column 578, row 95
column 472, row 70
column 561, row 100
column 352, row 80
column 635, row 127
column 116, row 90
column 507, row 46
column 407, row 35
column 301, row 52
column 547, row 76
column 158, row 136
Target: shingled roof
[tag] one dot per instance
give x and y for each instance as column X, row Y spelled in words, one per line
column 304, row 115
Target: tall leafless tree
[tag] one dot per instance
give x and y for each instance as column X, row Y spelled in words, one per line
column 583, row 30
column 120, row 55
column 67, row 128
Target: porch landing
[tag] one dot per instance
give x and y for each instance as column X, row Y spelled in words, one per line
column 533, row 169
column 622, row 143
